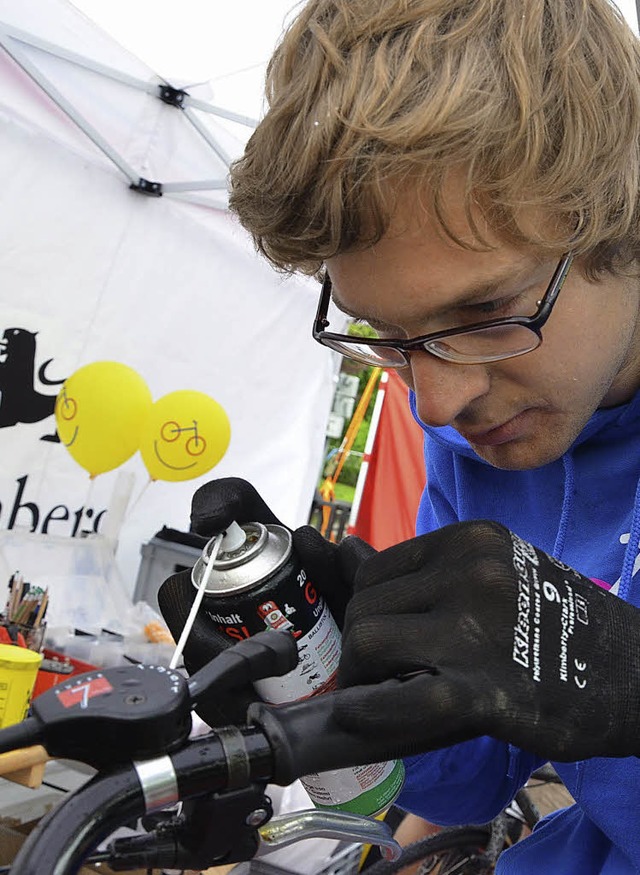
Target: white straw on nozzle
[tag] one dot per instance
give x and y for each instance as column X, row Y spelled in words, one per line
column 215, row 549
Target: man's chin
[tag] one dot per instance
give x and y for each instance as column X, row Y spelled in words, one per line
column 523, row 455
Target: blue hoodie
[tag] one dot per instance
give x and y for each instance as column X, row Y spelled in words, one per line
column 584, row 509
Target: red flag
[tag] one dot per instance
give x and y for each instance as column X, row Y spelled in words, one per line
column 393, row 470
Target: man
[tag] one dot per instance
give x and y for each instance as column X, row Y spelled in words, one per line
column 465, row 175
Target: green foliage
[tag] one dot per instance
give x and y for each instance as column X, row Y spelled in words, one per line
column 361, row 329
column 344, row 492
column 351, row 467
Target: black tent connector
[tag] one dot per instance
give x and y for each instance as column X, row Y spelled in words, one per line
column 172, row 96
column 145, row 186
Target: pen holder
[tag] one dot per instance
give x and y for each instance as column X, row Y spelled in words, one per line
column 33, row 636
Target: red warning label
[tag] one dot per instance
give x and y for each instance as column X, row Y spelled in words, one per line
column 80, row 694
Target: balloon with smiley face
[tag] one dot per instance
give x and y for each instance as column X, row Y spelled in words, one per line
column 185, row 435
column 100, row 412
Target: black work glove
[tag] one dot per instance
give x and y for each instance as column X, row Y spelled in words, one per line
column 486, row 635
column 330, row 567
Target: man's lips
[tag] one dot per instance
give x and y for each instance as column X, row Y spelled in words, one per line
column 511, row 430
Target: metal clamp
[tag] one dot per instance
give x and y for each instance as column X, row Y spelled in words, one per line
column 172, row 96
column 158, row 781
column 146, row 186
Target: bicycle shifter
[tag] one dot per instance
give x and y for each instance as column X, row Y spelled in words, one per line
column 111, row 716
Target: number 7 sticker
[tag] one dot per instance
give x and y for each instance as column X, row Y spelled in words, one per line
column 80, row 694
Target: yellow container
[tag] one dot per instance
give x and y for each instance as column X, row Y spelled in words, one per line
column 18, row 672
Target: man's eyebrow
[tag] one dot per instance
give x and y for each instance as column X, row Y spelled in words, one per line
column 476, row 292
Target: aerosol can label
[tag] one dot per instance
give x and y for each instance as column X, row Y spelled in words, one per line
column 362, row 789
column 317, row 669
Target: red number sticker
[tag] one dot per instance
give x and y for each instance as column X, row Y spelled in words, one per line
column 80, row 694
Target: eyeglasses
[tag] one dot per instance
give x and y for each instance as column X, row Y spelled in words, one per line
column 482, row 342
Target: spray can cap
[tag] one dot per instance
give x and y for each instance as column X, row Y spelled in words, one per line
column 258, row 552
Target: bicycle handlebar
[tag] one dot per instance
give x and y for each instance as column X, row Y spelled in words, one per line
column 69, row 832
column 281, row 744
column 281, row 747
column 306, row 738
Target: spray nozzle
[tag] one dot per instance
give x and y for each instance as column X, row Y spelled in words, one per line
column 234, row 538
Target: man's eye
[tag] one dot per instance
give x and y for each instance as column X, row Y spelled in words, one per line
column 504, row 306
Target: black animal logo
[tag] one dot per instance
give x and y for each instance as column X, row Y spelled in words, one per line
column 19, row 399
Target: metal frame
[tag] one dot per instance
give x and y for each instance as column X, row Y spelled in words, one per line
column 13, row 41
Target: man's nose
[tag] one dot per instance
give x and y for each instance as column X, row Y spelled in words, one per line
column 445, row 389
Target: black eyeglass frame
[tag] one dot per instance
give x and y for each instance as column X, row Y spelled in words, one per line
column 534, row 323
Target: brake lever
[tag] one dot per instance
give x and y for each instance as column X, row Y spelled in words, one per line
column 285, row 829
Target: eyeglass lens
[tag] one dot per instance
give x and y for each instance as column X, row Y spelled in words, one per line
column 483, row 345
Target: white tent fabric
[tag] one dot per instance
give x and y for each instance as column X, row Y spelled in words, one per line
column 91, row 270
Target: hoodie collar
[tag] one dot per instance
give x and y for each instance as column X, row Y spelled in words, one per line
column 623, row 416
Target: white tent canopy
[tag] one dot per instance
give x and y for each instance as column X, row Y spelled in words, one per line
column 92, row 269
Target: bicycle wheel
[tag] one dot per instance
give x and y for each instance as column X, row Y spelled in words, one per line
column 455, row 863
column 461, row 849
column 527, row 806
column 67, row 408
column 170, row 431
column 196, row 446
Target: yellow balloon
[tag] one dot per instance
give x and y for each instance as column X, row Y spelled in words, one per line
column 100, row 412
column 186, row 434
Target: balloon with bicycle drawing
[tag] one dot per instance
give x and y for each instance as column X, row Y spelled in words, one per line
column 100, row 412
column 185, row 435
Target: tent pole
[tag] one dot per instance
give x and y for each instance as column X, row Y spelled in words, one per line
column 77, row 118
column 204, row 133
column 217, row 110
column 368, row 449
column 73, row 58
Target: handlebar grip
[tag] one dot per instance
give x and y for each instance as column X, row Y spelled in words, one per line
column 306, row 738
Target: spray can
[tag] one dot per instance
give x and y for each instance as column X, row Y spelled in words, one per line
column 259, row 583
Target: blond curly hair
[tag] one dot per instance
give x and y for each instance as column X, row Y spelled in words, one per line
column 535, row 102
